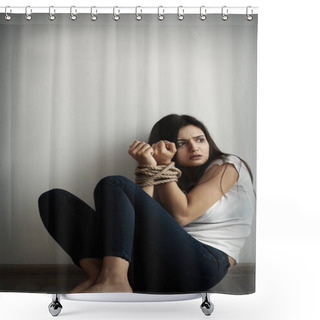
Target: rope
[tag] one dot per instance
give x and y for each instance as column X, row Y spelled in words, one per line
column 153, row 175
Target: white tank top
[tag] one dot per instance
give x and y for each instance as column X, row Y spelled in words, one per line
column 227, row 224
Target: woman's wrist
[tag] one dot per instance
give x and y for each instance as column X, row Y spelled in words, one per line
column 147, row 175
column 147, row 162
column 164, row 163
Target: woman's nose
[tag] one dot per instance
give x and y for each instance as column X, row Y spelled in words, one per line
column 193, row 146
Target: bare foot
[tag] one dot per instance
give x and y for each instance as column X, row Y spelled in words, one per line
column 109, row 287
column 113, row 276
column 83, row 286
column 92, row 269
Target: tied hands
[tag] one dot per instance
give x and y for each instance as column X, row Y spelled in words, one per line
column 160, row 153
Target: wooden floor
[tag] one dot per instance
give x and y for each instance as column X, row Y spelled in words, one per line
column 62, row 278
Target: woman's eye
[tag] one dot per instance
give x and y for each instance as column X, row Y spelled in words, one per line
column 201, row 140
column 180, row 144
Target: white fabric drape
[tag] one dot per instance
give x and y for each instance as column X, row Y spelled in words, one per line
column 75, row 94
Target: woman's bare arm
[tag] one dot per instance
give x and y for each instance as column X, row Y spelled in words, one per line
column 187, row 207
column 143, row 154
column 211, row 187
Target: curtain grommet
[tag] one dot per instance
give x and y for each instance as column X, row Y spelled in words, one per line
column 28, row 13
column 93, row 16
column 180, row 13
column 73, row 13
column 52, row 12
column 160, row 15
column 116, row 16
column 249, row 16
column 203, row 13
column 224, row 13
column 7, row 12
column 138, row 15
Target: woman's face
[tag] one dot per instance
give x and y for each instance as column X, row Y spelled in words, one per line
column 192, row 147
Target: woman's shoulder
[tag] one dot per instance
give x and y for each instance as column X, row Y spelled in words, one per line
column 244, row 173
column 228, row 159
column 221, row 168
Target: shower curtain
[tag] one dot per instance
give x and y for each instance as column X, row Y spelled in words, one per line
column 77, row 88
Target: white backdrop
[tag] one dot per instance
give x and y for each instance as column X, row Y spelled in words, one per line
column 75, row 94
column 288, row 102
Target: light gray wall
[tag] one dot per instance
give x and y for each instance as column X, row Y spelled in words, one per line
column 74, row 95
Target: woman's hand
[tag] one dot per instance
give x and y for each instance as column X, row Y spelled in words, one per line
column 164, row 151
column 142, row 153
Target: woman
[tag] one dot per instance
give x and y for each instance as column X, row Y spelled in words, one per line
column 178, row 229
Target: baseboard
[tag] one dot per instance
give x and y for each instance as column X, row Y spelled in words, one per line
column 61, row 278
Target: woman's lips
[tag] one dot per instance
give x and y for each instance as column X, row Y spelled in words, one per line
column 196, row 157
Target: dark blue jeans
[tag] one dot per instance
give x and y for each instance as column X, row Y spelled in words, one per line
column 128, row 223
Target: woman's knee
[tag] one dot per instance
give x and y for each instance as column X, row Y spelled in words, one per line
column 115, row 179
column 50, row 194
column 112, row 181
column 47, row 198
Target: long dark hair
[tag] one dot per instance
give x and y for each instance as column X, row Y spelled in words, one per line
column 168, row 128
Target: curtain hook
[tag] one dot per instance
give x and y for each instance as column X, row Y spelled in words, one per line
column 73, row 13
column 116, row 16
column 249, row 16
column 224, row 13
column 138, row 16
column 7, row 13
column 160, row 15
column 203, row 13
column 28, row 13
column 180, row 13
column 93, row 15
column 52, row 12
